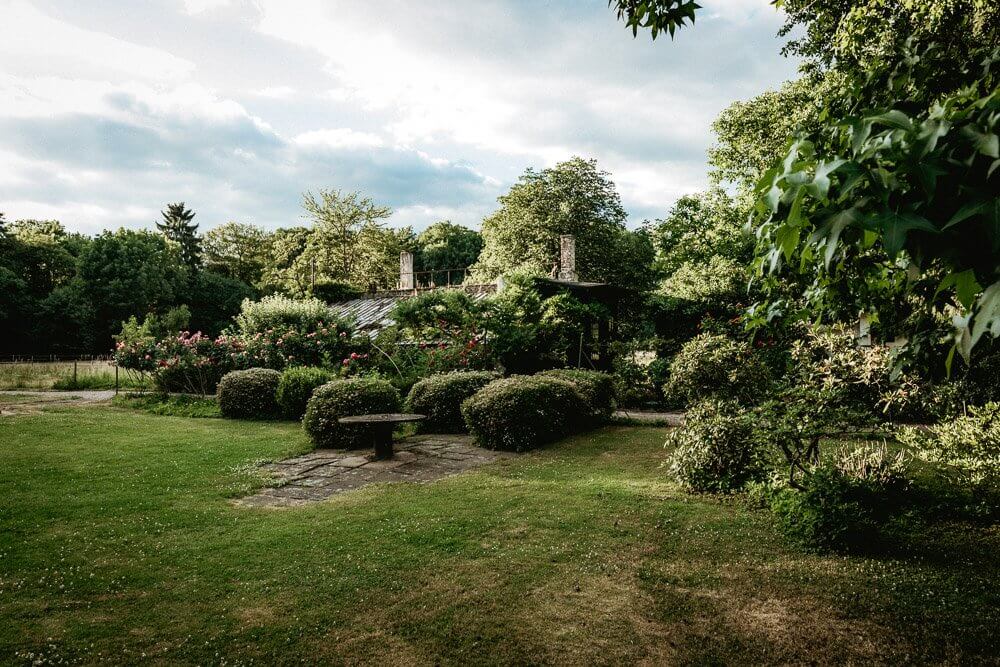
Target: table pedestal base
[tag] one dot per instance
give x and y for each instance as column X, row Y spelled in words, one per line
column 382, row 440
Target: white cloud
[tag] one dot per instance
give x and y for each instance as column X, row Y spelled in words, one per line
column 341, row 137
column 276, row 92
column 199, row 6
column 429, row 109
column 37, row 44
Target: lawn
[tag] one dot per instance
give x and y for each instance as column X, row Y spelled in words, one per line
column 60, row 375
column 118, row 542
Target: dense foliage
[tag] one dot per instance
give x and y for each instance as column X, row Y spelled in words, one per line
column 523, row 412
column 249, row 394
column 67, row 293
column 343, row 398
column 716, row 450
column 440, row 398
column 597, row 388
column 574, row 197
column 716, row 365
column 970, row 444
column 296, row 388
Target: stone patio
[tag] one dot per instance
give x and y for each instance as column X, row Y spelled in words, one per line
column 325, row 472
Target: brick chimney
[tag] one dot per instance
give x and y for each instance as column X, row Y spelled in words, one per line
column 567, row 257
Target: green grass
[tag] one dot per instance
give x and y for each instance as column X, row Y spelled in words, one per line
column 59, row 375
column 118, row 543
column 170, row 406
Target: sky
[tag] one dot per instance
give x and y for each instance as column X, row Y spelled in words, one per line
column 109, row 110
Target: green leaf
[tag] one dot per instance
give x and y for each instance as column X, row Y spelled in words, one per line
column 967, row 210
column 820, row 185
column 895, row 227
column 986, row 143
column 832, row 228
column 894, row 119
column 987, row 317
column 786, row 238
column 859, row 135
column 965, row 284
column 927, row 174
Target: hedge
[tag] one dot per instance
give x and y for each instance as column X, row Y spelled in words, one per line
column 440, row 397
column 249, row 394
column 342, row 398
column 523, row 412
column 597, row 388
column 296, row 388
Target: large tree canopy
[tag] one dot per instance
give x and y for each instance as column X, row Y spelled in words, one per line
column 574, row 197
column 445, row 246
column 237, row 250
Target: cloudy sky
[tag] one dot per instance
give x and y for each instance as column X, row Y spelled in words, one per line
column 110, row 109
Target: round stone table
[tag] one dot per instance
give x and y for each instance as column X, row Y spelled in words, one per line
column 382, row 426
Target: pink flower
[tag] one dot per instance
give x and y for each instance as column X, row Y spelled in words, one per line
column 148, row 357
column 346, row 362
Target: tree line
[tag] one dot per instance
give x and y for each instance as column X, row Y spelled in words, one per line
column 67, row 292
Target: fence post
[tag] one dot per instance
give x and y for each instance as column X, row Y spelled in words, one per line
column 74, row 374
column 116, row 379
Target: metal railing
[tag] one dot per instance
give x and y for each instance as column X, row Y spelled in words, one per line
column 429, row 280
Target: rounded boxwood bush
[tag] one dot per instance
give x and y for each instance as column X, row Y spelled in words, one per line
column 342, row 398
column 249, row 394
column 296, row 388
column 440, row 397
column 597, row 388
column 522, row 412
column 714, row 365
column 716, row 450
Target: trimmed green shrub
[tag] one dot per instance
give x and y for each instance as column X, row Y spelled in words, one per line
column 249, row 394
column 296, row 388
column 440, row 397
column 343, row 398
column 522, row 412
column 597, row 388
column 714, row 365
column 716, row 450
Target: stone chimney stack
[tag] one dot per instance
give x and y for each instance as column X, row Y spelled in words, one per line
column 406, row 277
column 567, row 257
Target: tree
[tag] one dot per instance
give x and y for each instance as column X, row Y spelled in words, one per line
column 35, row 251
column 376, row 263
column 237, row 250
column 698, row 227
column 901, row 199
column 283, row 272
column 444, row 246
column 64, row 321
column 656, row 15
column 177, row 227
column 752, row 135
column 214, row 299
column 574, row 197
column 338, row 218
column 127, row 273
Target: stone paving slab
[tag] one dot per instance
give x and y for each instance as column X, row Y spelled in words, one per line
column 325, row 472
